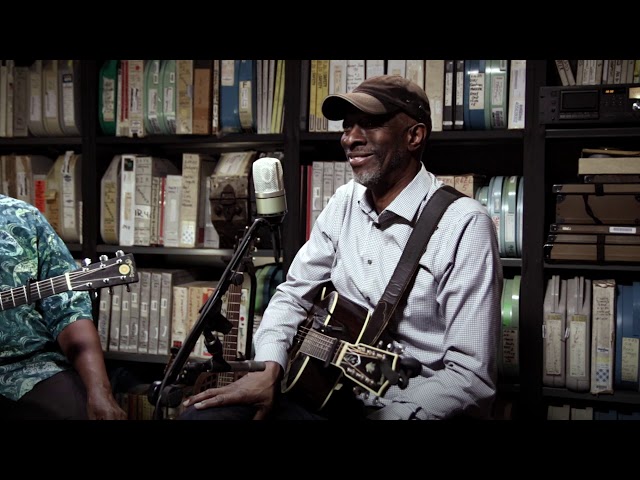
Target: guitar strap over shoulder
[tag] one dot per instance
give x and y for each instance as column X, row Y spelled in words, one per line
column 408, row 263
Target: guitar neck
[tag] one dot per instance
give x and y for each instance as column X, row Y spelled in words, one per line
column 34, row 291
column 230, row 345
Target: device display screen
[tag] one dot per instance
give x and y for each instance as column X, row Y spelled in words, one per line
column 586, row 101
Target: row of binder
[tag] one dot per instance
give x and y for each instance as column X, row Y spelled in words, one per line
column 51, row 185
column 138, row 98
column 464, row 94
column 40, row 99
column 591, row 334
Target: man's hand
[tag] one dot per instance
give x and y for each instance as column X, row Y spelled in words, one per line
column 254, row 388
column 104, row 407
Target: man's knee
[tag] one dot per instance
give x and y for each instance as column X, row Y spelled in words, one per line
column 231, row 412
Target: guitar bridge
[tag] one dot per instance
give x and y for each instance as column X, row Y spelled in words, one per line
column 331, row 351
column 320, row 346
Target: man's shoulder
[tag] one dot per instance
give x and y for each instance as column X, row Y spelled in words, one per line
column 13, row 206
column 466, row 205
column 463, row 212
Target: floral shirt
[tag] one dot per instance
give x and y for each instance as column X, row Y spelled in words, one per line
column 31, row 249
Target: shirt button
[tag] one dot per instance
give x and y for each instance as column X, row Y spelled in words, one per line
column 369, row 262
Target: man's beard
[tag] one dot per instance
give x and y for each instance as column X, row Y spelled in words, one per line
column 375, row 175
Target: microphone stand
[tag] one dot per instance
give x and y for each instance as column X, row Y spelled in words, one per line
column 157, row 396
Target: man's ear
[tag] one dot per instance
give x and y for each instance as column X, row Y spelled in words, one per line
column 418, row 135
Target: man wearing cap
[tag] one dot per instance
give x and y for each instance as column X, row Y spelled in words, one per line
column 450, row 318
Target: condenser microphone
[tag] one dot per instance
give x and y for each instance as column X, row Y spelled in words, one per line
column 271, row 202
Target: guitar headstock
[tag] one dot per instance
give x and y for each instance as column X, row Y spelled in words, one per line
column 371, row 368
column 107, row 272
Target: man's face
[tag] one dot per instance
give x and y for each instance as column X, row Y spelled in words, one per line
column 376, row 147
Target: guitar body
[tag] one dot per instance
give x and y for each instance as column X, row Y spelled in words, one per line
column 310, row 377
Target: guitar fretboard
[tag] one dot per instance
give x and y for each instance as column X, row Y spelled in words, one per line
column 34, row 291
column 230, row 342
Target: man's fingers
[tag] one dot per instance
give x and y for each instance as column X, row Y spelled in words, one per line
column 218, row 400
column 199, row 397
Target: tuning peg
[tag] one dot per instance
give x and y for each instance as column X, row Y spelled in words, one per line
column 126, row 285
column 119, row 253
column 399, row 349
column 103, row 258
column 357, row 391
column 95, row 294
column 110, row 290
column 86, row 262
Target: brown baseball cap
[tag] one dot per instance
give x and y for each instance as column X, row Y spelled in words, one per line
column 381, row 95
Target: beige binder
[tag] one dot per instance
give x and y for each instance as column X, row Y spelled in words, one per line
column 135, row 98
column 110, row 202
column 172, row 205
column 21, row 101
column 147, row 167
column 35, row 121
column 603, row 324
column 70, row 196
column 69, row 97
column 143, row 312
column 184, row 97
column 169, row 279
column 553, row 333
column 196, row 170
column 51, row 98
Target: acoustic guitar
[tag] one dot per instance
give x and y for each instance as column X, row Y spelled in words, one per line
column 326, row 355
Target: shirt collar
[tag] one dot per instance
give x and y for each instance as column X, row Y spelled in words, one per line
column 412, row 197
column 407, row 204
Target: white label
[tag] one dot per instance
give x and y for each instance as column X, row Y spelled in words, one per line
column 577, row 345
column 629, row 354
column 553, row 344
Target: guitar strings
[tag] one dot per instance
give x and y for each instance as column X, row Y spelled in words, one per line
column 313, row 338
column 44, row 288
column 230, row 345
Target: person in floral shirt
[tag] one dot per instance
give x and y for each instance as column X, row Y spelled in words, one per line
column 51, row 361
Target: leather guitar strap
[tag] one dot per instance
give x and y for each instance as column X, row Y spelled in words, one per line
column 408, row 264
